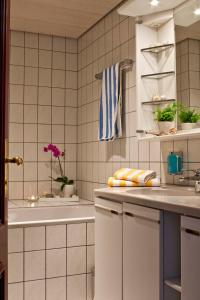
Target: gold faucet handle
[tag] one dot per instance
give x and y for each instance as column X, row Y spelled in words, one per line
column 15, row 160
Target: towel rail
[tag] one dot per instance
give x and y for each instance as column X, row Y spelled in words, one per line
column 124, row 65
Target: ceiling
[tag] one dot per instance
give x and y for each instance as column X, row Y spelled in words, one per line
column 137, row 8
column 68, row 18
column 185, row 16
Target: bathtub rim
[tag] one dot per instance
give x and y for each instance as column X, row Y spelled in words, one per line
column 12, row 225
column 48, row 222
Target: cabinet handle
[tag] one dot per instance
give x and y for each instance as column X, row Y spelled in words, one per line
column 140, row 217
column 112, row 211
column 192, row 232
column 129, row 214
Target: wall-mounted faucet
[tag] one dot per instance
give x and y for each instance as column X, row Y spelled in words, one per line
column 195, row 177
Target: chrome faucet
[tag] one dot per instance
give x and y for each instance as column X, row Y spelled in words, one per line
column 195, row 177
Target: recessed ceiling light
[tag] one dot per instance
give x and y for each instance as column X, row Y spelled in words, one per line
column 154, row 2
column 197, row 11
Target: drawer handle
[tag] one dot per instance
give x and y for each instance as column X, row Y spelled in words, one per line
column 108, row 209
column 192, row 232
column 141, row 217
column 129, row 214
column 114, row 212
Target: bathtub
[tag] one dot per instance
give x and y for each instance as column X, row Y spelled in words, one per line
column 36, row 216
column 51, row 251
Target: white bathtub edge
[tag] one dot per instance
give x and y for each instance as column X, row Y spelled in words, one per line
column 51, row 222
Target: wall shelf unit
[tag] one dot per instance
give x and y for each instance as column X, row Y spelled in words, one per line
column 175, row 284
column 155, row 74
column 158, row 49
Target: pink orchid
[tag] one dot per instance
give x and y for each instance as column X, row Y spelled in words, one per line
column 55, row 151
column 57, row 154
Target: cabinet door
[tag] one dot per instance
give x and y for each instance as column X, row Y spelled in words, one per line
column 141, row 253
column 108, row 250
column 190, row 258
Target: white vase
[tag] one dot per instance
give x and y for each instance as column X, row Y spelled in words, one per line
column 188, row 126
column 68, row 190
column 165, row 127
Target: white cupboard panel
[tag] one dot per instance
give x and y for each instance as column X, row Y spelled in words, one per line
column 190, row 258
column 108, row 250
column 141, row 254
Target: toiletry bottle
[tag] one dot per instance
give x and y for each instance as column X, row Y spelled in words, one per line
column 175, row 163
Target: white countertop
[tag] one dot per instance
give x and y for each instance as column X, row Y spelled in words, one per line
column 186, row 202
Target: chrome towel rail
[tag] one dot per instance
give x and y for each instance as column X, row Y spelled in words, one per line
column 125, row 65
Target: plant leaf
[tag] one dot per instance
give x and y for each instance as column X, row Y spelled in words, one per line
column 62, row 186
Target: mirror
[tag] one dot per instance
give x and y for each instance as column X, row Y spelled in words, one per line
column 187, row 29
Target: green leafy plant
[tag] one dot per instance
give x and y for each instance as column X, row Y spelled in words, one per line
column 64, row 181
column 167, row 114
column 188, row 115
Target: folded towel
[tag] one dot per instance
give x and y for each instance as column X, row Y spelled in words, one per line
column 139, row 176
column 112, row 182
column 110, row 104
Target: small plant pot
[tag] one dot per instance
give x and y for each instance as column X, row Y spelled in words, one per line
column 188, row 126
column 68, row 190
column 165, row 127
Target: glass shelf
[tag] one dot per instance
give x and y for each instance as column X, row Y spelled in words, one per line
column 158, row 75
column 157, row 49
column 158, row 102
column 180, row 135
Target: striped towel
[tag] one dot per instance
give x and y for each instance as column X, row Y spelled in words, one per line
column 110, row 126
column 112, row 182
column 138, row 176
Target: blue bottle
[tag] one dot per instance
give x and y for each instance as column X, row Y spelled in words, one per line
column 175, row 163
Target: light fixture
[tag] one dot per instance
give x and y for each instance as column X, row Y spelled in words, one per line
column 154, row 2
column 197, row 11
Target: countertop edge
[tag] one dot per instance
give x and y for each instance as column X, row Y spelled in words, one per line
column 148, row 202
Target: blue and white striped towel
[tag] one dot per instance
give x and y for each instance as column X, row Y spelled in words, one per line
column 110, row 126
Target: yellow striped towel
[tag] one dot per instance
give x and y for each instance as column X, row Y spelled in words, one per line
column 139, row 176
column 112, row 182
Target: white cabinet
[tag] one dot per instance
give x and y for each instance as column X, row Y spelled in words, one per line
column 190, row 258
column 108, row 250
column 141, row 253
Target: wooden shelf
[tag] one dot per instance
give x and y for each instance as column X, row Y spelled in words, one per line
column 158, row 75
column 158, row 102
column 174, row 283
column 157, row 49
column 181, row 134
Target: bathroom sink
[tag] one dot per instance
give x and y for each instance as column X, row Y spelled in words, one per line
column 164, row 191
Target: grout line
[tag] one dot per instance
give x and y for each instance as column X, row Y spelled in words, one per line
column 51, row 172
column 45, row 282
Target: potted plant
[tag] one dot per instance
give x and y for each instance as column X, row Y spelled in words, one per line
column 188, row 117
column 67, row 185
column 166, row 117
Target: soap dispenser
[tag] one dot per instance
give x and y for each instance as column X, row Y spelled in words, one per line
column 175, row 163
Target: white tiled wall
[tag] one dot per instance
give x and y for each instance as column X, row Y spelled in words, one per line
column 108, row 42
column 42, row 109
column 43, row 97
column 51, row 262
